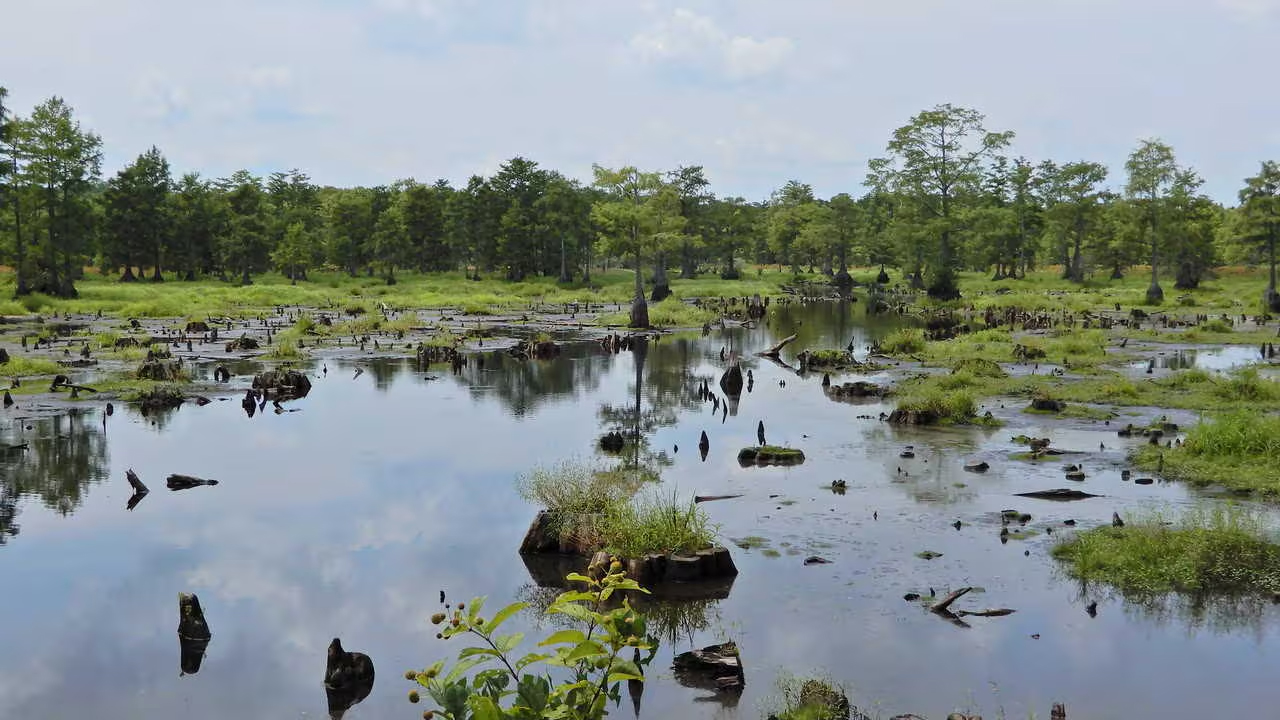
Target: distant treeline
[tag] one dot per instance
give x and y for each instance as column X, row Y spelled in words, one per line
column 946, row 196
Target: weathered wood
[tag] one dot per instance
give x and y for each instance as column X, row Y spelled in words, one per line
column 185, row 482
column 941, row 607
column 135, row 482
column 993, row 612
column 1057, row 494
column 776, row 350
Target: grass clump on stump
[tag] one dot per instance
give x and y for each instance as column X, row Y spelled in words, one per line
column 1225, row 550
column 591, row 510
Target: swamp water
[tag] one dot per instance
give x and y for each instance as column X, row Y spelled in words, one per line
column 346, row 519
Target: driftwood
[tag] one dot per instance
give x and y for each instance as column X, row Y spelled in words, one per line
column 942, row 605
column 709, row 498
column 1057, row 494
column 135, row 482
column 992, row 612
column 776, row 350
column 186, row 482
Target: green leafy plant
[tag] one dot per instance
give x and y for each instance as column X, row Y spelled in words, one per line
column 582, row 669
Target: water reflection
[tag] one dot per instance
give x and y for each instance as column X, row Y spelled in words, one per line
column 59, row 457
column 347, row 519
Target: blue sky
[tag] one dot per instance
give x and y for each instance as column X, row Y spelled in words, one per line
column 758, row 91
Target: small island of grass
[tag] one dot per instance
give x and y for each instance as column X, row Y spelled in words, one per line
column 1225, row 551
column 1240, row 451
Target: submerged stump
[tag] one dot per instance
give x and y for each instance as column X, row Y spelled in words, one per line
column 769, row 455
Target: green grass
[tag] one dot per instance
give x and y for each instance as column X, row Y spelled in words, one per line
column 655, row 523
column 1223, row 550
column 335, row 290
column 1240, row 451
column 904, row 341
column 936, row 406
column 809, row 699
column 979, row 367
column 670, row 313
column 601, row 506
column 21, row 366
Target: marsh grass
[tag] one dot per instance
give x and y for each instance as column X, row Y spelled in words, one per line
column 21, row 366
column 944, row 407
column 904, row 341
column 1239, row 450
column 1221, row 550
column 603, row 506
column 670, row 313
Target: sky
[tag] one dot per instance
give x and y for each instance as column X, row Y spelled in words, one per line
column 759, row 92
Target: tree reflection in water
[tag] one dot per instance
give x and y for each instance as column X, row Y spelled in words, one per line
column 64, row 455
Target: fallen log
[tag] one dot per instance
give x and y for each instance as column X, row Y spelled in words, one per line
column 774, row 351
column 993, row 612
column 186, row 482
column 941, row 606
column 709, row 498
column 1058, row 494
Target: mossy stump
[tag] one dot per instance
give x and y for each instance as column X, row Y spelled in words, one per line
column 769, row 455
column 545, row 537
column 160, row 371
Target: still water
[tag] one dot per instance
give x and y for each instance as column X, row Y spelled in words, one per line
column 347, row 518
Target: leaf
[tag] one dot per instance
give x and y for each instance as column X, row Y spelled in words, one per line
column 473, row 609
column 427, row 677
column 473, row 651
column 462, row 668
column 586, row 649
column 575, row 597
column 576, row 577
column 530, row 659
column 620, row 676
column 577, row 612
column 564, row 636
column 625, row 667
column 483, row 708
column 533, row 692
column 507, row 643
column 504, row 614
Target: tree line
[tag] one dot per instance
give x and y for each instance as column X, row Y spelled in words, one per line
column 946, row 196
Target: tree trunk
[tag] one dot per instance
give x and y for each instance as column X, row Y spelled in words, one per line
column 843, row 279
column 639, row 308
column 688, row 268
column 1271, row 299
column 128, row 275
column 158, row 275
column 1155, row 294
column 21, row 244
column 661, row 286
column 564, row 263
column 244, row 277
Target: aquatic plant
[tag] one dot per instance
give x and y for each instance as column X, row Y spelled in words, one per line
column 1220, row 550
column 904, row 341
column 582, row 668
column 1239, row 450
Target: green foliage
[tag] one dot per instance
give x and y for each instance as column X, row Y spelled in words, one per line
column 1220, row 550
column 904, row 341
column 670, row 313
column 582, row 668
column 979, row 367
column 1239, row 450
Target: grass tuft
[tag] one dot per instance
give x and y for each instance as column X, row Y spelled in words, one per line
column 1240, row 451
column 1224, row 550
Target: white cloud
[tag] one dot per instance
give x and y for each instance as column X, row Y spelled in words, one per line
column 689, row 37
column 269, row 77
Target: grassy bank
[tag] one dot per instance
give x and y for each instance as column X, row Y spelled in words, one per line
column 1240, row 451
column 604, row 509
column 333, row 290
column 1223, row 550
